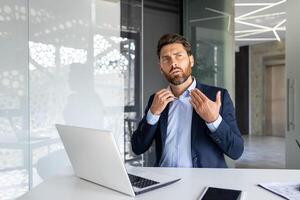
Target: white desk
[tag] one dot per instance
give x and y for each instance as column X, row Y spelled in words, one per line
column 69, row 187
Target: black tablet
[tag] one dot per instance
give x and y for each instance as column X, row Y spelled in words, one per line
column 212, row 193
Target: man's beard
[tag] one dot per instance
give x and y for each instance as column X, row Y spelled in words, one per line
column 179, row 78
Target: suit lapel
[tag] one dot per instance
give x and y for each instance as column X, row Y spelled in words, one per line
column 194, row 126
column 196, row 120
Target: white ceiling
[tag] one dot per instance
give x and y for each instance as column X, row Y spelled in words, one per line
column 258, row 21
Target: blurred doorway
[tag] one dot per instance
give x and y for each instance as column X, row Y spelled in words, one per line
column 275, row 99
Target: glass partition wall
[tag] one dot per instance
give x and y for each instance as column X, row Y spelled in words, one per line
column 209, row 25
column 131, row 48
column 77, row 64
column 14, row 99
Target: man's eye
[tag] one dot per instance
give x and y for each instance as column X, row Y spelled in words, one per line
column 164, row 59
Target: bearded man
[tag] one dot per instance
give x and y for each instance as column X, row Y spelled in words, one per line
column 192, row 124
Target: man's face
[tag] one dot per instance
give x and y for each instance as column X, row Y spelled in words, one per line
column 175, row 63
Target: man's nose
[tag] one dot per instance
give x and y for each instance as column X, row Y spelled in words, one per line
column 173, row 63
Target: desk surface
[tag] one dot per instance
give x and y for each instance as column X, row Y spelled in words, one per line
column 189, row 187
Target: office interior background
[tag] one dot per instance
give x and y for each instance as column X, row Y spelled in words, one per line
column 93, row 63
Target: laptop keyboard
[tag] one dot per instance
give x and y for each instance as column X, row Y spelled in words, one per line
column 140, row 182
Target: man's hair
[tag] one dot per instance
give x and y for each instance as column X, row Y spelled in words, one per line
column 172, row 38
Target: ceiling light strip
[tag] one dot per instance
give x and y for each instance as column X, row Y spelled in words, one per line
column 276, row 35
column 254, row 25
column 274, row 29
column 255, row 39
column 223, row 13
column 206, row 18
column 253, row 4
column 261, row 9
column 253, row 33
column 280, row 23
column 262, row 16
column 248, row 31
column 281, row 28
column 257, row 30
column 217, row 11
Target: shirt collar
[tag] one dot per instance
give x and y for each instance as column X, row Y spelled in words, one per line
column 193, row 85
column 188, row 90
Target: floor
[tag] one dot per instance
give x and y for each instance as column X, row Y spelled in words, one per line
column 265, row 152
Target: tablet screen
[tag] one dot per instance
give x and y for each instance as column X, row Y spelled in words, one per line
column 219, row 193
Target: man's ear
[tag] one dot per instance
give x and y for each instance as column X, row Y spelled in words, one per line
column 191, row 57
column 160, row 68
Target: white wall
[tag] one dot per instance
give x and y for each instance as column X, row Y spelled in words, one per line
column 156, row 23
column 59, row 64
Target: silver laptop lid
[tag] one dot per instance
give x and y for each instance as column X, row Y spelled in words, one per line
column 95, row 157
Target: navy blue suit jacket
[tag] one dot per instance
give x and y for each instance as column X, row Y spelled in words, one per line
column 207, row 148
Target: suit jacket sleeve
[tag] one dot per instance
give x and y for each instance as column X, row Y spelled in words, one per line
column 228, row 136
column 143, row 136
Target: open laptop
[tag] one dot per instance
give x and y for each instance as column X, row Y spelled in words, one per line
column 95, row 157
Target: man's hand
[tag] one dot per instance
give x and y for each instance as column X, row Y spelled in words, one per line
column 160, row 101
column 206, row 109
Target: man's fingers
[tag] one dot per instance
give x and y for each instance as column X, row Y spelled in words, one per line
column 161, row 99
column 196, row 102
column 169, row 99
column 161, row 93
column 196, row 97
column 166, row 95
column 200, row 94
column 193, row 103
